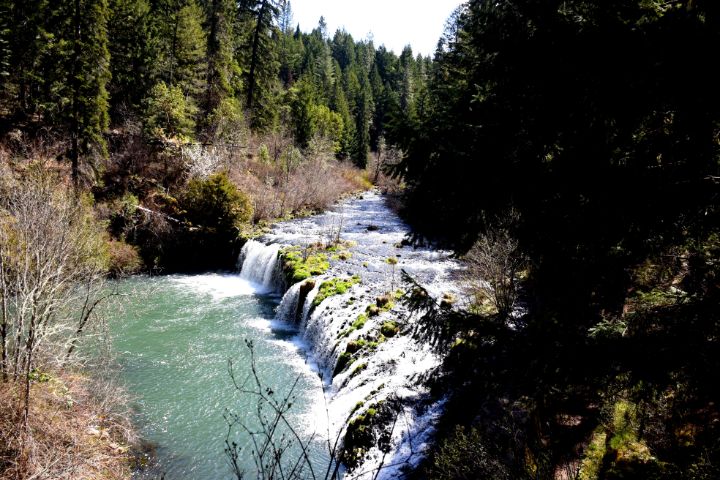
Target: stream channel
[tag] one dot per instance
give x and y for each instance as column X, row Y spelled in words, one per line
column 175, row 334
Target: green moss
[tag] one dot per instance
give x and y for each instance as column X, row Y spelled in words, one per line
column 390, row 329
column 357, row 407
column 358, row 369
column 335, row 286
column 342, row 363
column 360, row 322
column 360, row 436
column 298, row 266
column 357, row 325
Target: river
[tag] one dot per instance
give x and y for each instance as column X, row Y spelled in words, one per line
column 175, row 334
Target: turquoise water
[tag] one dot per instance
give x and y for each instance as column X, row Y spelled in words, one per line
column 174, row 336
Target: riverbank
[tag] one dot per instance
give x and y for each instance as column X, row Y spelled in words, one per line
column 77, row 428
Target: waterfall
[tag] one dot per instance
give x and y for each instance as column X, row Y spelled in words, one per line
column 287, row 310
column 259, row 264
column 376, row 367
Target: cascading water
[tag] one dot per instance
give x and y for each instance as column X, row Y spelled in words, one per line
column 259, row 264
column 376, row 367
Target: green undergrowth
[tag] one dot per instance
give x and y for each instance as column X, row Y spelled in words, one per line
column 616, row 447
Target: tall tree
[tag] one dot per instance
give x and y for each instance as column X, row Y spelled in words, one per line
column 26, row 45
column 363, row 116
column 223, row 72
column 130, row 53
column 89, row 74
column 261, row 17
column 180, row 43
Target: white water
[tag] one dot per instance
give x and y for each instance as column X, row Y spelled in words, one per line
column 395, row 368
column 259, row 265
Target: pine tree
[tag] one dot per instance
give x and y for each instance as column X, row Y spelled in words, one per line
column 189, row 51
column 406, row 87
column 363, row 114
column 179, row 43
column 26, row 48
column 223, row 72
column 291, row 48
column 89, row 74
column 260, row 18
column 130, row 53
column 339, row 104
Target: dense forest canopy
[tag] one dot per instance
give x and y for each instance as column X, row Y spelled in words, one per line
column 587, row 132
column 185, row 67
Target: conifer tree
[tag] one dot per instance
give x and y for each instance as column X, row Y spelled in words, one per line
column 26, row 46
column 89, row 74
column 180, row 45
column 130, row 53
column 363, row 114
column 260, row 18
column 223, row 72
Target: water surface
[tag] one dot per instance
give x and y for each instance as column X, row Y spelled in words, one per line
column 174, row 336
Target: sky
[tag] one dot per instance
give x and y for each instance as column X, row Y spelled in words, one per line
column 394, row 23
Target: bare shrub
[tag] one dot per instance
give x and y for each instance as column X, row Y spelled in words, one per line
column 288, row 182
column 202, row 161
column 53, row 261
column 493, row 264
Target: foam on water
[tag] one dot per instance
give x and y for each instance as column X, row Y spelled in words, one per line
column 395, row 367
column 219, row 286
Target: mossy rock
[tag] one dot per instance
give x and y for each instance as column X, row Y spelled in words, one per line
column 383, row 300
column 342, row 362
column 354, row 347
column 448, row 300
column 389, row 329
column 357, row 370
column 366, row 430
column 298, row 266
column 335, row 286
